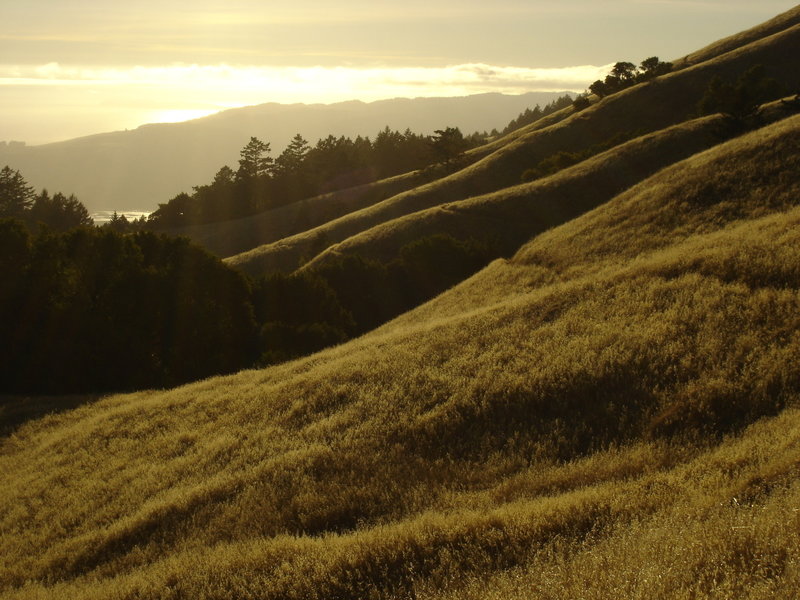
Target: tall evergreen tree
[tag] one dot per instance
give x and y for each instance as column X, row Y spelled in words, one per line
column 291, row 159
column 16, row 196
column 60, row 212
column 448, row 143
column 254, row 160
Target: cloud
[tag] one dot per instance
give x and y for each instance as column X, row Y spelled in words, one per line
column 52, row 101
column 228, row 85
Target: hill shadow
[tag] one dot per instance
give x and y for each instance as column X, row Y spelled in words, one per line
column 15, row 411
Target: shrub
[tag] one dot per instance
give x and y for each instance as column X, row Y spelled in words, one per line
column 581, row 103
column 739, row 102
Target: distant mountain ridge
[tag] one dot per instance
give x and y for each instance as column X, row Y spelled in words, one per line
column 458, row 204
column 137, row 169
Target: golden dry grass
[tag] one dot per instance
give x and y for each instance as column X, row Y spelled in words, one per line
column 515, row 214
column 227, row 238
column 232, row 237
column 611, row 413
column 775, row 25
column 681, row 200
column 648, row 107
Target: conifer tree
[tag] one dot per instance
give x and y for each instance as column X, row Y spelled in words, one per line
column 291, row 159
column 16, row 196
column 254, row 160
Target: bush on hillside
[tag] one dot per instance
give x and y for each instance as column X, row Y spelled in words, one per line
column 740, row 101
column 374, row 292
column 300, row 314
column 364, row 288
column 562, row 160
column 553, row 164
column 582, row 102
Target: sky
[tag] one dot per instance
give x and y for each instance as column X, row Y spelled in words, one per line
column 77, row 67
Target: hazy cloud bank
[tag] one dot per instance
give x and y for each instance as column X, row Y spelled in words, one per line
column 312, row 84
column 53, row 101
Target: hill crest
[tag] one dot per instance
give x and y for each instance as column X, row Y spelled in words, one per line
column 137, row 169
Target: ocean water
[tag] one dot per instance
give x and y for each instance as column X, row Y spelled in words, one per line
column 104, row 216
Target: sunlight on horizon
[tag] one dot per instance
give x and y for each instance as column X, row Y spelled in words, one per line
column 71, row 69
column 84, row 100
column 179, row 115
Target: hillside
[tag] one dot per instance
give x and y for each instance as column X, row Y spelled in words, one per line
column 645, row 108
column 137, row 169
column 227, row 238
column 550, row 403
column 775, row 25
column 514, row 214
column 588, row 401
column 611, row 410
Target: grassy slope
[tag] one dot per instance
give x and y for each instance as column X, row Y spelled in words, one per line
column 644, row 108
column 227, row 238
column 674, row 200
column 782, row 21
column 559, row 415
column 239, row 235
column 515, row 214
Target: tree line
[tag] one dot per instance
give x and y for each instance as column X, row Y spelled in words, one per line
column 262, row 182
column 94, row 310
column 531, row 115
column 88, row 309
column 18, row 200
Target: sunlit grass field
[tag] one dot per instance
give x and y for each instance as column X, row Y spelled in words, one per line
column 610, row 413
column 647, row 108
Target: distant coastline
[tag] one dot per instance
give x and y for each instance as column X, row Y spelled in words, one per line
column 102, row 217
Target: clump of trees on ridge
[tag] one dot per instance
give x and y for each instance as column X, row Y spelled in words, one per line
column 531, row 115
column 262, row 182
column 626, row 74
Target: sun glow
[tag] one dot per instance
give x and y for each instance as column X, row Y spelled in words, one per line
column 176, row 115
column 223, row 83
column 55, row 101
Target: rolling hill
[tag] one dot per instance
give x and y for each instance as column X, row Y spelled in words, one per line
column 645, row 108
column 227, row 238
column 137, row 169
column 611, row 411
